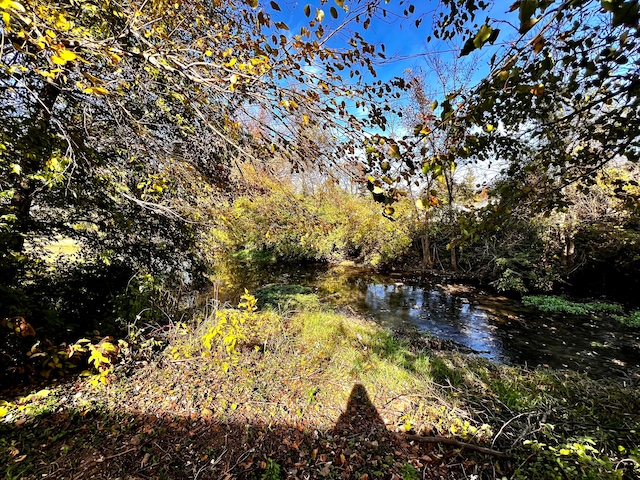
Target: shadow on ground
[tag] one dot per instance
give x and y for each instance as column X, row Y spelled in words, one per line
column 77, row 444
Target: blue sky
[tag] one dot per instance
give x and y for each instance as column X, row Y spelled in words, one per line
column 406, row 45
column 404, row 42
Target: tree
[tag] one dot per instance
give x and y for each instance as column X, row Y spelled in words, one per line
column 564, row 93
column 101, row 101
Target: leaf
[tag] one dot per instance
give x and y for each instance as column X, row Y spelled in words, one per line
column 537, row 89
column 67, row 55
column 11, row 5
column 468, row 47
column 253, row 3
column 58, row 60
column 97, row 91
column 538, row 43
column 334, row 12
column 340, row 3
column 394, row 151
column 527, row 9
column 307, row 10
column 275, row 6
column 482, row 36
column 319, row 15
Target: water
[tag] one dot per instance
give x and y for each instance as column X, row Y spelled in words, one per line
column 491, row 326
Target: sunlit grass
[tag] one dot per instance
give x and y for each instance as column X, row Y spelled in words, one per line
column 301, row 366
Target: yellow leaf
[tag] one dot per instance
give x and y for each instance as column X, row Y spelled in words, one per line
column 67, row 55
column 58, row 60
column 11, row 5
column 97, row 91
column 537, row 89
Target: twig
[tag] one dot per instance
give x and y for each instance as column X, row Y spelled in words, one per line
column 119, row 454
column 505, row 425
column 210, row 464
column 451, row 441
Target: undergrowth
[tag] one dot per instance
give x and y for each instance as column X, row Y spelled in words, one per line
column 261, row 372
column 556, row 304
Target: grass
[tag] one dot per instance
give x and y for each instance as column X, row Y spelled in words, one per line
column 324, row 395
column 556, row 304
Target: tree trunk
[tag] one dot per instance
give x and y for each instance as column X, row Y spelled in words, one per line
column 454, row 258
column 425, row 240
column 34, row 149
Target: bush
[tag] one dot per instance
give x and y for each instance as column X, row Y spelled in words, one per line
column 329, row 225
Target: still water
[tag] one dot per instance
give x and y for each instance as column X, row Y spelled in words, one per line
column 491, row 326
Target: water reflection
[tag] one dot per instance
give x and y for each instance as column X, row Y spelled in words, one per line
column 494, row 327
column 506, row 332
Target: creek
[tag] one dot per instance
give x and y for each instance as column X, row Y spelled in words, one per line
column 491, row 326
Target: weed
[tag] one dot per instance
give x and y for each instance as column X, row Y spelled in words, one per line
column 271, row 471
column 631, row 320
column 555, row 304
column 409, row 472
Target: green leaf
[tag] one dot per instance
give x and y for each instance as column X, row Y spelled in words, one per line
column 527, row 9
column 468, row 47
column 482, row 36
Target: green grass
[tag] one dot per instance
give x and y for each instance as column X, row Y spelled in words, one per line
column 282, row 402
column 631, row 320
column 556, row 304
column 287, row 297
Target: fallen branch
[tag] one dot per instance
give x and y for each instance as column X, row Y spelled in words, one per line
column 456, row 443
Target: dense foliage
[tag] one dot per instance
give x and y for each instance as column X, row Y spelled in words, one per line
column 328, row 225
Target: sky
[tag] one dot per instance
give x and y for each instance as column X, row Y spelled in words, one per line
column 406, row 45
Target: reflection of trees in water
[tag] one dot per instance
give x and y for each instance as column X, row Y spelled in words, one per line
column 502, row 329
